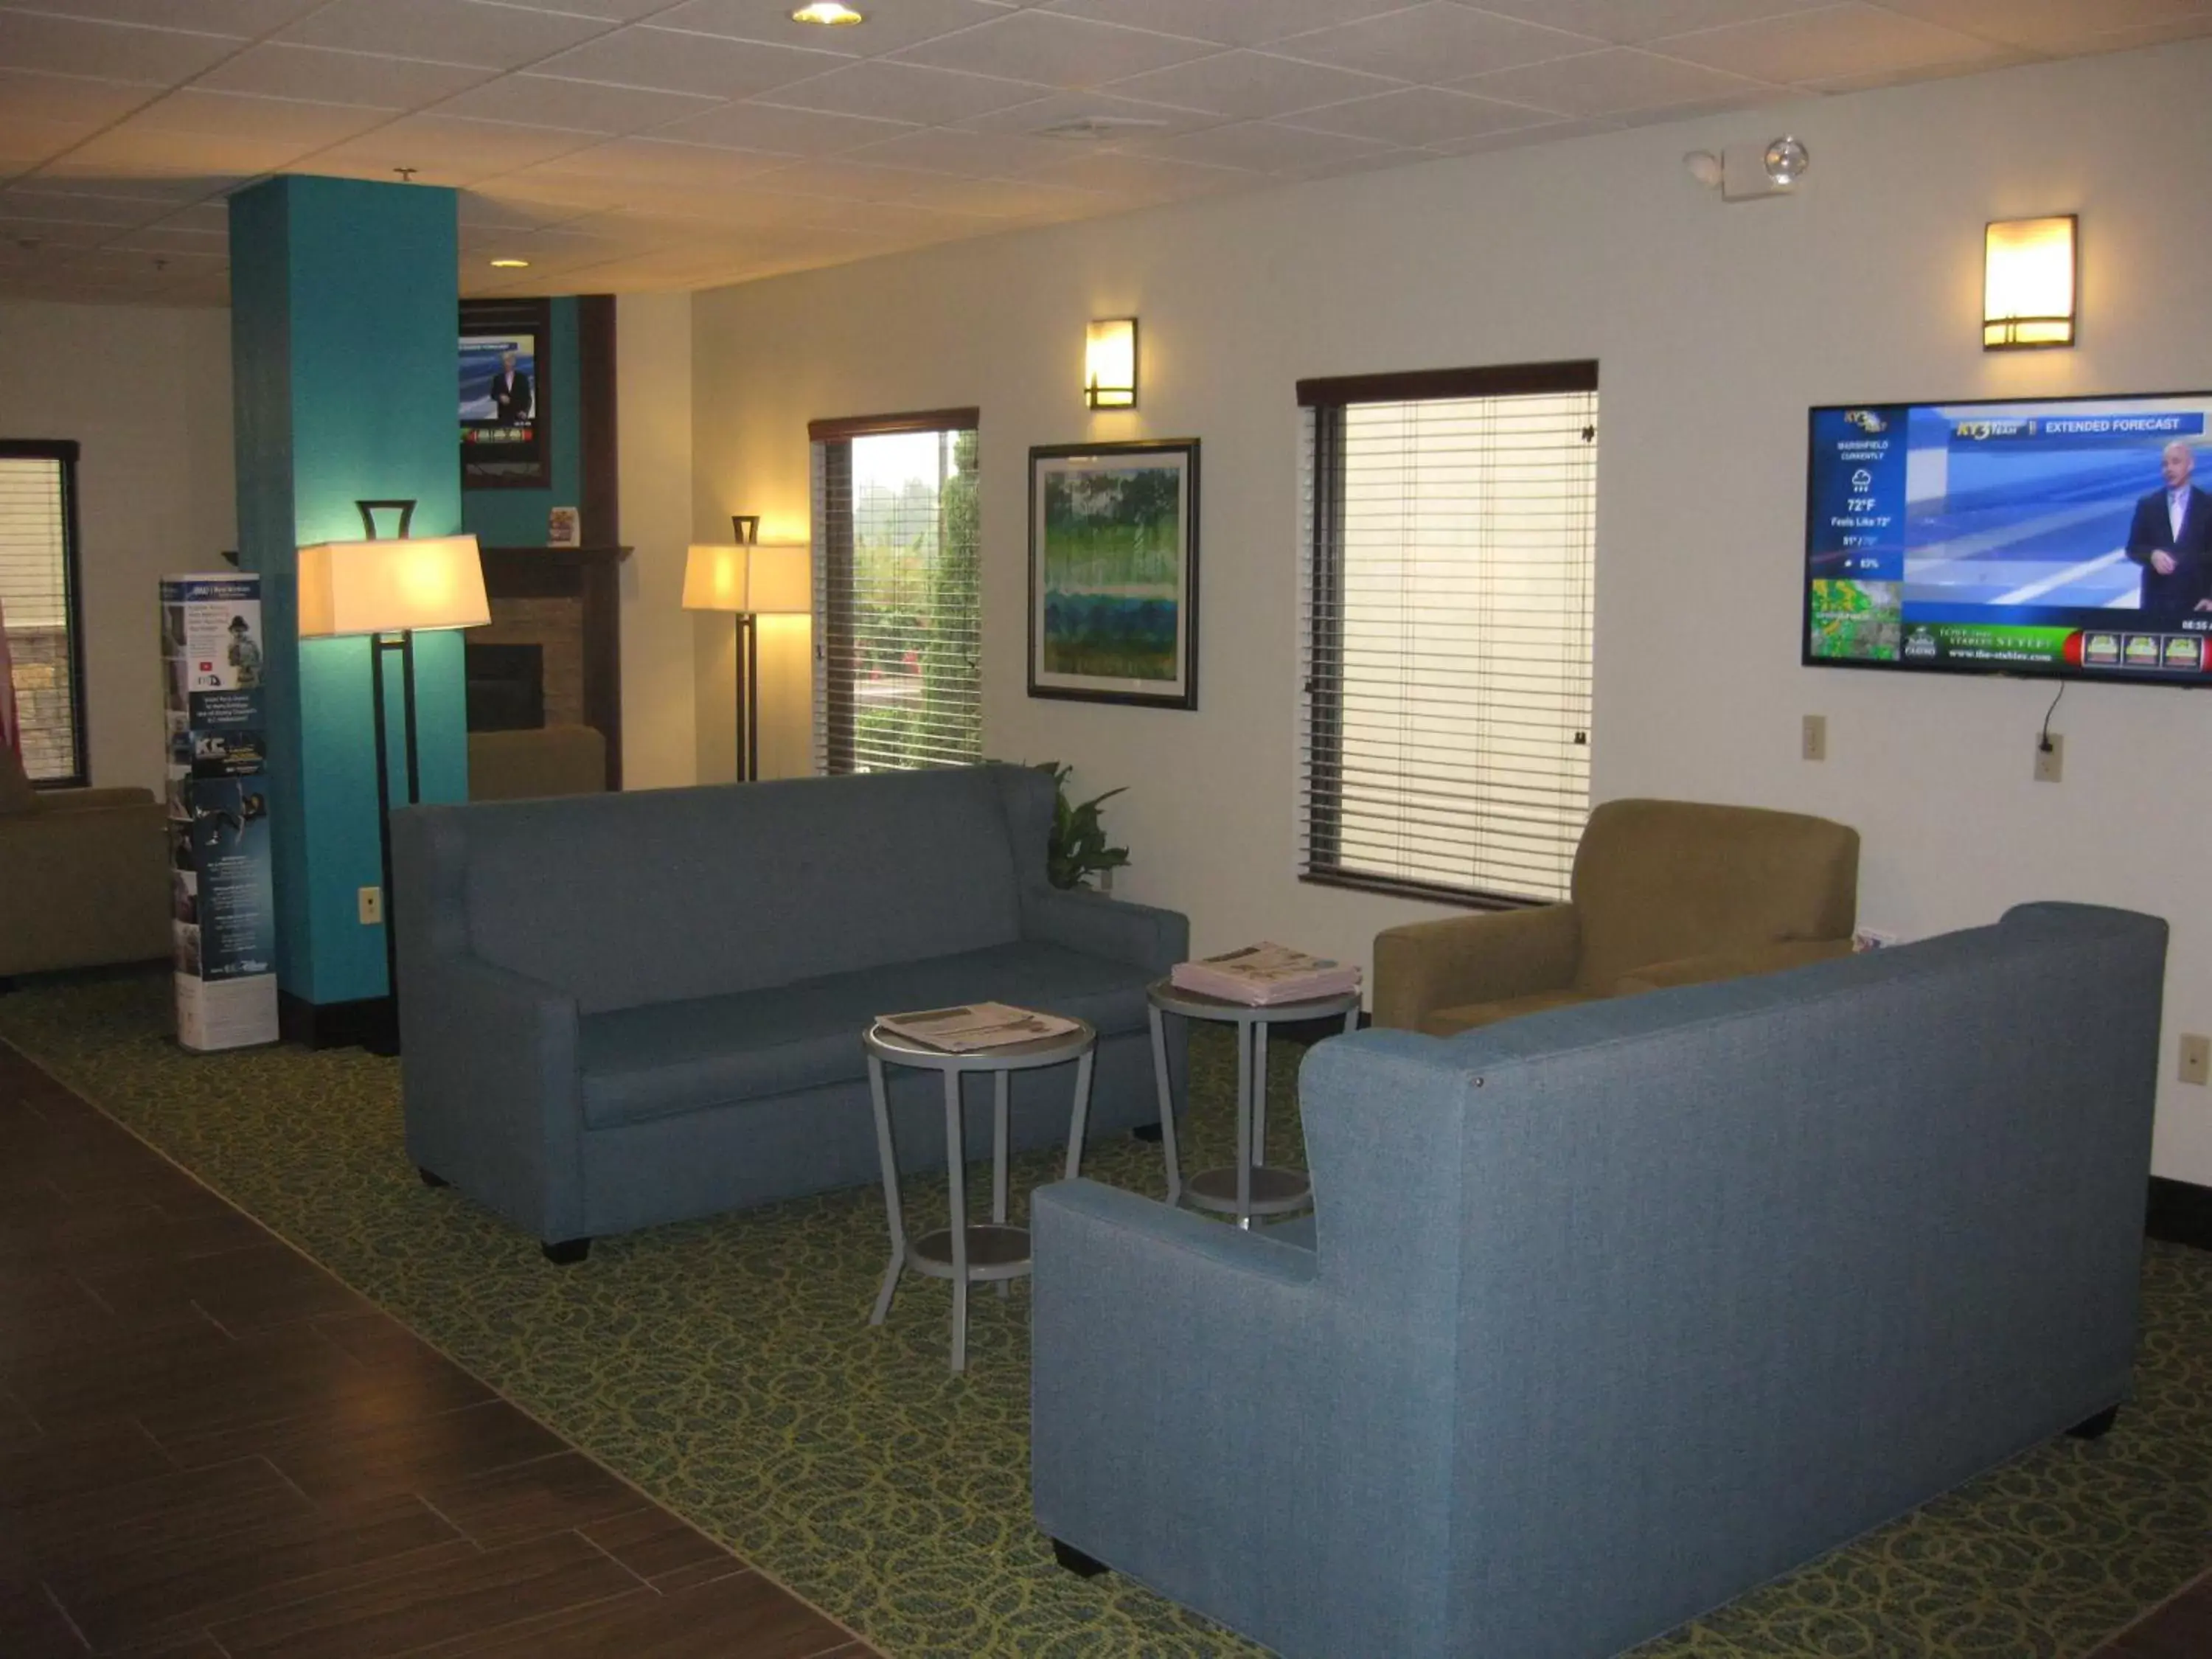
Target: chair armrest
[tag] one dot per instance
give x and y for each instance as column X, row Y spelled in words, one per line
column 85, row 886
column 492, row 1093
column 1730, row 964
column 92, row 800
column 1427, row 966
column 1141, row 934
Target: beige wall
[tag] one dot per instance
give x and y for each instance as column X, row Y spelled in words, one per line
column 1716, row 326
column 146, row 393
column 653, row 420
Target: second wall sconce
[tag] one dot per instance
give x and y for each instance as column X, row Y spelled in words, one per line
column 2028, row 282
column 1109, row 363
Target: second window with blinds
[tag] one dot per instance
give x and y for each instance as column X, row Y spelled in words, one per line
column 1445, row 629
column 897, row 600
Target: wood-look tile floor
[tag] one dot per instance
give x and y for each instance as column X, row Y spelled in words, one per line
column 210, row 1448
column 2182, row 1629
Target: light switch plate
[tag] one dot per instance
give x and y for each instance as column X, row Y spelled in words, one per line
column 1814, row 745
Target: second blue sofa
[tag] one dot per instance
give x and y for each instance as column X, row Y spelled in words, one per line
column 623, row 1010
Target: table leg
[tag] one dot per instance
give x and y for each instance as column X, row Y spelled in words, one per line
column 1002, row 1083
column 1081, row 1120
column 955, row 1160
column 1259, row 1092
column 1245, row 1125
column 893, row 1214
column 1167, row 1105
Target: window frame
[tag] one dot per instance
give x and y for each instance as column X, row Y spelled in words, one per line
column 1321, row 786
column 67, row 452
column 837, row 752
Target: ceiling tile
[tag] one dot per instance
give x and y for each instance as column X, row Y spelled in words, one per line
column 1631, row 21
column 1612, row 83
column 1853, row 39
column 1521, row 137
column 907, row 92
column 53, row 233
column 2005, row 58
column 239, row 115
column 2153, row 34
column 1065, row 107
column 581, row 106
column 26, row 144
column 1009, row 198
column 240, row 17
column 1053, row 51
column 2050, row 23
column 1435, row 42
column 1251, row 84
column 970, row 155
column 1422, row 116
column 890, row 28
column 656, row 161
column 1372, row 161
column 115, row 211
column 1262, row 146
column 1230, row 22
column 701, row 63
column 185, row 193
column 845, row 178
column 445, row 31
column 180, row 238
column 113, row 52
column 340, row 77
column 449, row 150
column 28, row 95
column 132, row 147
column 784, row 131
column 613, row 11
column 1141, row 177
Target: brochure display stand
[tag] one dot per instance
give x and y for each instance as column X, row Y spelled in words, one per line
column 221, row 891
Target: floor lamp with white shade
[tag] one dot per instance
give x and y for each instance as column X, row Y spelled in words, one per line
column 754, row 579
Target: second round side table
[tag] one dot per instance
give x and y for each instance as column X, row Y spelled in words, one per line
column 1250, row 1187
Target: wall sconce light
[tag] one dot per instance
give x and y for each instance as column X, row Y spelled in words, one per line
column 2028, row 282
column 753, row 578
column 1109, row 363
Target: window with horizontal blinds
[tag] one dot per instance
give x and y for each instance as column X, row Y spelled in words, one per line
column 38, row 606
column 897, row 593
column 1445, row 629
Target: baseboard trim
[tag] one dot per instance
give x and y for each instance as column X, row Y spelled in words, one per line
column 364, row 1023
column 2181, row 1213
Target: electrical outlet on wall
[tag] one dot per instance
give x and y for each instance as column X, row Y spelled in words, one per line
column 1814, row 746
column 2049, row 757
column 371, row 907
column 2196, row 1058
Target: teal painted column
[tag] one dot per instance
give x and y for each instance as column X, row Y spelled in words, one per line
column 345, row 303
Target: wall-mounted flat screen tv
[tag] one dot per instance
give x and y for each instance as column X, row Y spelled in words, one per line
column 2069, row 538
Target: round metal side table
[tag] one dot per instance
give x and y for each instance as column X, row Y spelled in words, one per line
column 1250, row 1187
column 964, row 1252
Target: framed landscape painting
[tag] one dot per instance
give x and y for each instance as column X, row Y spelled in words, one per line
column 1114, row 573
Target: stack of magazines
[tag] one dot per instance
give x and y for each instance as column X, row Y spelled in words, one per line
column 974, row 1027
column 1265, row 975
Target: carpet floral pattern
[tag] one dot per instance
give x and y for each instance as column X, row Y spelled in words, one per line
column 726, row 1368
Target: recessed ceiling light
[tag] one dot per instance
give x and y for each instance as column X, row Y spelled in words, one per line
column 828, row 13
column 510, row 265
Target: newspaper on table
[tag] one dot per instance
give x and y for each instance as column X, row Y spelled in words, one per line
column 1266, row 974
column 974, row 1026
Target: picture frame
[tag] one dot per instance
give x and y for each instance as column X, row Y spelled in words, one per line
column 1114, row 572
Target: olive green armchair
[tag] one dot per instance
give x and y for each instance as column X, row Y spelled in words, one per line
column 1665, row 893
column 86, row 878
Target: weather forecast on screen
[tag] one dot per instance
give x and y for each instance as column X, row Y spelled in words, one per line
column 2063, row 537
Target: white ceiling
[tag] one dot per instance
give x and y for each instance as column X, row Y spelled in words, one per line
column 623, row 145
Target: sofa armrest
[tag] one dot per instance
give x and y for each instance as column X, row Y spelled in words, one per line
column 1142, row 935
column 92, row 800
column 493, row 1097
column 1730, row 964
column 1427, row 966
column 86, row 887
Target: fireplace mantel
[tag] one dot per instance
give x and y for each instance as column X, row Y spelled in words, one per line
column 591, row 575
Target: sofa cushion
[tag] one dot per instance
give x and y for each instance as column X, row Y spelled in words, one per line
column 667, row 1058
column 1450, row 1022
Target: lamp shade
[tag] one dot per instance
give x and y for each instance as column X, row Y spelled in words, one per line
column 1109, row 363
column 766, row 579
column 2027, row 283
column 385, row 586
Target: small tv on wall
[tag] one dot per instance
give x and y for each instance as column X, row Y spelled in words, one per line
column 2069, row 538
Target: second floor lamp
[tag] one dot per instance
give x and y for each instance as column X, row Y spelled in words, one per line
column 753, row 578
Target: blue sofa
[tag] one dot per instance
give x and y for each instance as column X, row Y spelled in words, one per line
column 622, row 1010
column 1613, row 1312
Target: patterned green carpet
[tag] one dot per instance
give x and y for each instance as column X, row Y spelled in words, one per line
column 726, row 1368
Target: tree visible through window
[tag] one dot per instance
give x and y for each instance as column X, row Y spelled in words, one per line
column 39, row 605
column 897, row 600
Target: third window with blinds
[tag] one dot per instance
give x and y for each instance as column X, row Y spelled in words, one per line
column 898, row 601
column 1448, row 561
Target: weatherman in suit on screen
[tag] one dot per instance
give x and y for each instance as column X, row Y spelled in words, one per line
column 2172, row 539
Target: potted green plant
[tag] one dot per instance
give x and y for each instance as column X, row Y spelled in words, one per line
column 1077, row 850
